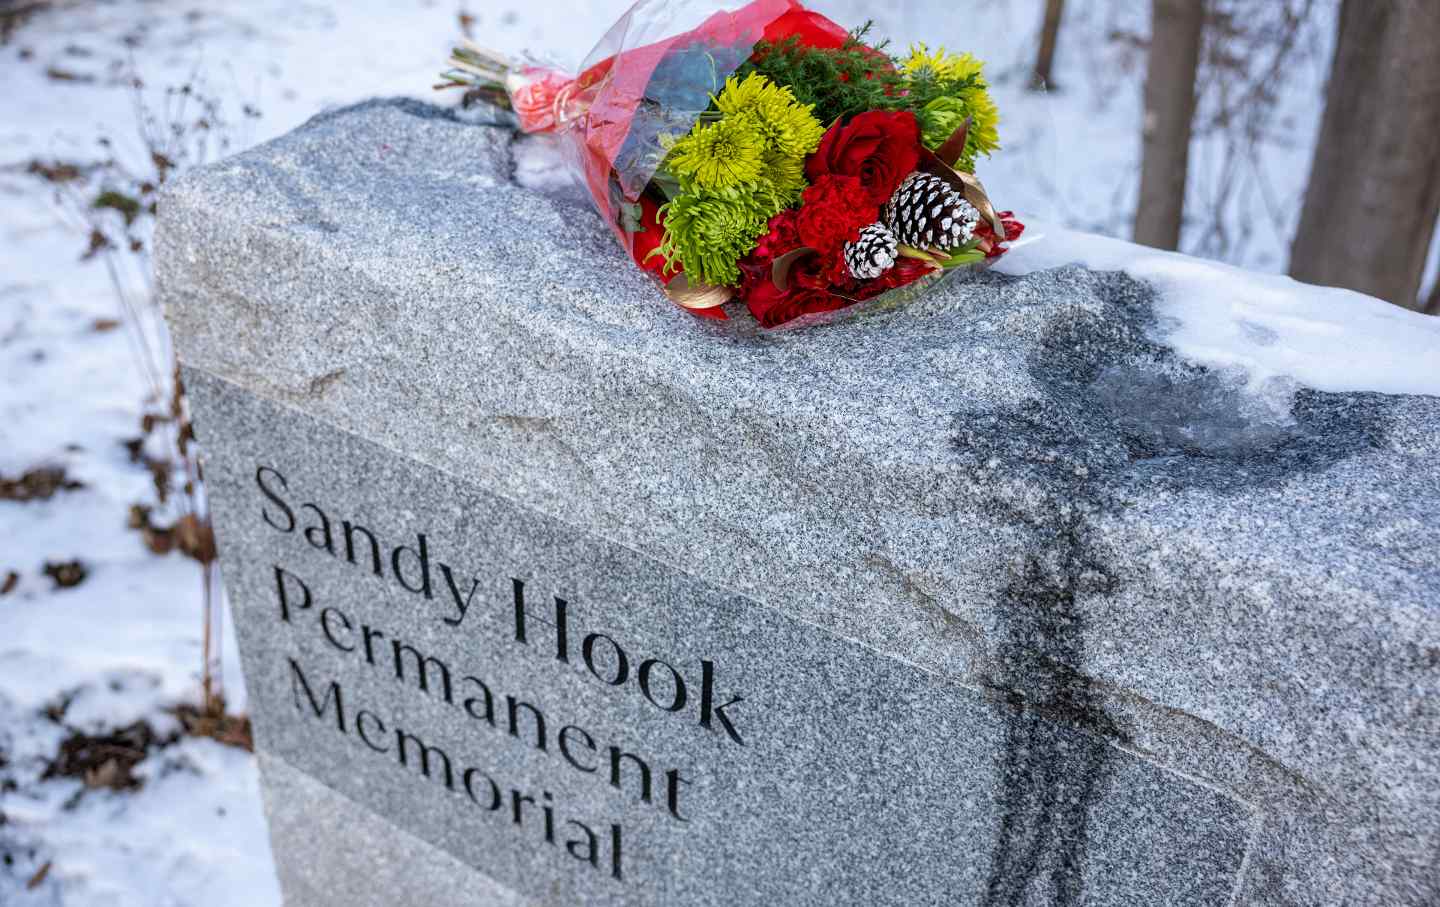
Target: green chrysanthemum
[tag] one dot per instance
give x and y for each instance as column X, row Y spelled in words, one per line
column 941, row 117
column 708, row 233
column 734, row 174
column 721, row 155
column 786, row 126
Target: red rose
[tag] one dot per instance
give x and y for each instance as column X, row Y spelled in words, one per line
column 832, row 211
column 880, row 148
column 808, row 289
column 820, row 271
column 812, row 289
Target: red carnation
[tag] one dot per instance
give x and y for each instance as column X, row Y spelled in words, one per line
column 880, row 148
column 807, row 284
column 783, row 237
column 757, row 267
column 832, row 211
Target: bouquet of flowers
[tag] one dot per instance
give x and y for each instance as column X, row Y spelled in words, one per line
column 767, row 155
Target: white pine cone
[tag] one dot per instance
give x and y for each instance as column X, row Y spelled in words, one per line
column 873, row 253
column 926, row 212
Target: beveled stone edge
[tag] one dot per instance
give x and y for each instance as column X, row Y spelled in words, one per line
column 302, row 861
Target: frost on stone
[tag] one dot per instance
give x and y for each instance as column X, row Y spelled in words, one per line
column 541, row 165
column 1197, row 412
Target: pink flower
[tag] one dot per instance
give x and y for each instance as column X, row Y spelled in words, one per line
column 535, row 99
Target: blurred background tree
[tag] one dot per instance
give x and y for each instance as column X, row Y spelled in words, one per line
column 1049, row 41
column 1374, row 192
column 1176, row 31
column 1373, row 196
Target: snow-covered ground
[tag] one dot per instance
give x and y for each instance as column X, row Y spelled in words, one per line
column 124, row 644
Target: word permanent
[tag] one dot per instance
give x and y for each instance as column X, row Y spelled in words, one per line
column 604, row 658
column 523, row 719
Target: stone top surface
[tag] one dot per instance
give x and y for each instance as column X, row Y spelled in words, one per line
column 1010, row 482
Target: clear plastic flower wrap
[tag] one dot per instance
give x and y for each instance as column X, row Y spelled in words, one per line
column 760, row 153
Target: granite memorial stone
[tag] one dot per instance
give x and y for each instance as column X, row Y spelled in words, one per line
column 548, row 593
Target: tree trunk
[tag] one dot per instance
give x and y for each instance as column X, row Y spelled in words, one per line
column 1374, row 191
column 1432, row 305
column 1175, row 35
column 1049, row 39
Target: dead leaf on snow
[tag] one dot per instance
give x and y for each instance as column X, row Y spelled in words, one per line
column 38, row 484
column 214, row 723
column 55, row 172
column 195, row 538
column 104, row 760
column 107, row 774
column 39, row 877
column 66, row 574
column 66, row 75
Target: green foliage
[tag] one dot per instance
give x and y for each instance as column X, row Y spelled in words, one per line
column 835, row 83
column 942, row 89
column 967, row 254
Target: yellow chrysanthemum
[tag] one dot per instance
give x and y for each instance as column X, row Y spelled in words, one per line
column 750, row 94
column 984, row 127
column 942, row 66
column 718, row 156
column 786, row 126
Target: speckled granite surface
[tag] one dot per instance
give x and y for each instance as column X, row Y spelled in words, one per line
column 1095, row 605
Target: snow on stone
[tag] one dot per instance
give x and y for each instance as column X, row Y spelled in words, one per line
column 1268, row 326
